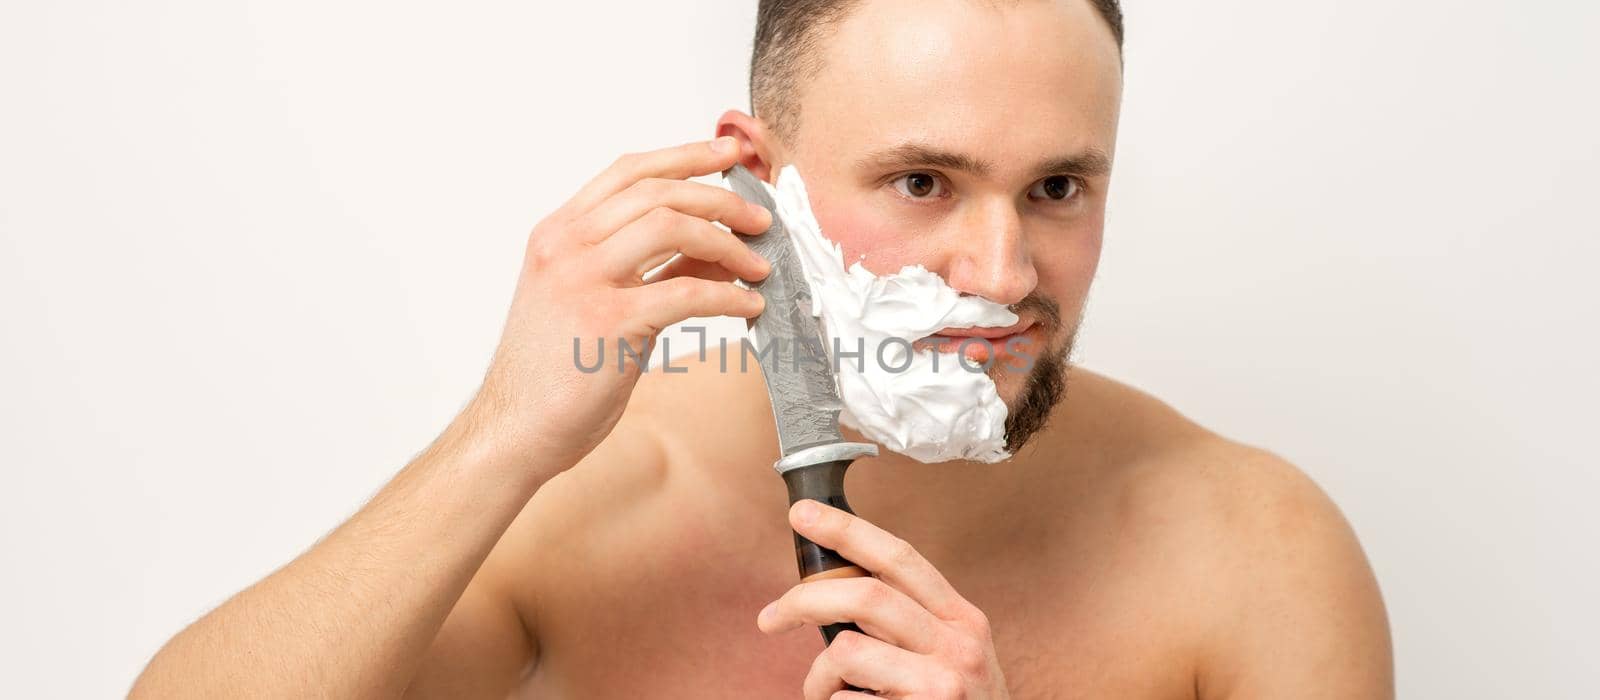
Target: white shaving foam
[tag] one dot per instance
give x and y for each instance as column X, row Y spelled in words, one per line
column 933, row 410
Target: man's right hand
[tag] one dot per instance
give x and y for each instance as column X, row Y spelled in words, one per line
column 582, row 280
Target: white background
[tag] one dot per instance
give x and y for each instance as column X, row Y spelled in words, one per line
column 253, row 255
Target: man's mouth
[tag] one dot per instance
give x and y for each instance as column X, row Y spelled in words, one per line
column 979, row 345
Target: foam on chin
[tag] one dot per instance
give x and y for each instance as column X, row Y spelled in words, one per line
column 934, row 410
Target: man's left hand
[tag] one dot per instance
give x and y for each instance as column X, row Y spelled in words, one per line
column 923, row 640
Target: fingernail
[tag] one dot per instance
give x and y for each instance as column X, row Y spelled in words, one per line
column 806, row 512
column 722, row 144
column 766, row 612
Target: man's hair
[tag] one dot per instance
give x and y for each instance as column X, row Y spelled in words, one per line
column 786, row 53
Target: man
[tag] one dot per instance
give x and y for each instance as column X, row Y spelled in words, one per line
column 606, row 535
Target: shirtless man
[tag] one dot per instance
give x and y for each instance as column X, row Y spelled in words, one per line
column 607, row 535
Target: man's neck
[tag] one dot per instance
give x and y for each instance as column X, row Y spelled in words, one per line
column 959, row 506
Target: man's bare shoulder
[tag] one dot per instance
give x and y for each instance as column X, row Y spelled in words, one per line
column 1166, row 468
column 1265, row 562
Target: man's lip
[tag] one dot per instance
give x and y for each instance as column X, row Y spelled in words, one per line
column 988, row 333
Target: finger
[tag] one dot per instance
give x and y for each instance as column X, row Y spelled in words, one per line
column 694, row 198
column 888, row 557
column 879, row 609
column 662, row 304
column 859, row 660
column 684, row 266
column 677, row 163
column 654, row 238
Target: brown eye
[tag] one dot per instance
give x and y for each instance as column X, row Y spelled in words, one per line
column 1056, row 187
column 917, row 185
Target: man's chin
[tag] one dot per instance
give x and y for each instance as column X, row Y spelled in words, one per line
column 1010, row 384
column 1030, row 394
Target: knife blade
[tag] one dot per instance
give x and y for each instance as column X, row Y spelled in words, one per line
column 790, row 345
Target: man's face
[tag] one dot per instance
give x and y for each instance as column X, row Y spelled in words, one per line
column 975, row 140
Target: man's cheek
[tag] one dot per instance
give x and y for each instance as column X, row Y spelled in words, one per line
column 861, row 231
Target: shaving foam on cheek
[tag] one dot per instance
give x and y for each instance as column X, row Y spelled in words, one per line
column 919, row 402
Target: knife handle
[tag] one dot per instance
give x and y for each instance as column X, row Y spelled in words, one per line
column 823, row 482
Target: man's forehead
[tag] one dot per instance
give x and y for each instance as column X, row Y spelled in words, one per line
column 963, row 75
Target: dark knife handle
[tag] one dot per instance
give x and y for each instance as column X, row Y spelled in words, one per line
column 822, row 482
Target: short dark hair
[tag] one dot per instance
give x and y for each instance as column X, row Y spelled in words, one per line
column 785, row 54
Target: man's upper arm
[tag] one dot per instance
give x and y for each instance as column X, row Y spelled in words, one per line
column 1306, row 616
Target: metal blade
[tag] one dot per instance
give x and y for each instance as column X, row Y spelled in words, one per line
column 790, row 345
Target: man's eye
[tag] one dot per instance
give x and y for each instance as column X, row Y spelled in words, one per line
column 917, row 185
column 1056, row 187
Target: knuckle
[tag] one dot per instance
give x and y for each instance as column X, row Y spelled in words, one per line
column 732, row 204
column 624, row 160
column 653, row 188
column 541, row 251
column 902, row 552
column 980, row 624
column 873, row 592
column 848, row 643
column 972, row 620
column 969, row 657
column 662, row 217
column 690, row 291
column 709, row 231
column 726, row 248
column 947, row 685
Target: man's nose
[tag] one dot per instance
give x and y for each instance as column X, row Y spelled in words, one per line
column 990, row 255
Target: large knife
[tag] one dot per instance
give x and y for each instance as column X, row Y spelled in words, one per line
column 792, row 352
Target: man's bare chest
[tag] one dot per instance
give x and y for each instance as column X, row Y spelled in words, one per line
column 658, row 635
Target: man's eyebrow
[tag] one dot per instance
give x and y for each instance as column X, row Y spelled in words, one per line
column 1092, row 162
column 912, row 153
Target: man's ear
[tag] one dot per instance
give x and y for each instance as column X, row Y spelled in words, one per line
column 758, row 150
